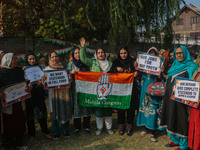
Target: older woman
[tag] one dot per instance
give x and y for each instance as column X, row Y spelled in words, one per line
column 147, row 115
column 175, row 114
column 194, row 123
column 100, row 64
column 74, row 66
column 59, row 101
column 124, row 64
column 13, row 116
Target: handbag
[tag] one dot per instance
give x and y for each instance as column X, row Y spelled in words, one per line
column 156, row 88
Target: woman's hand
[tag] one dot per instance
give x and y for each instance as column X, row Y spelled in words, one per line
column 44, row 78
column 135, row 64
column 73, row 71
column 82, row 42
column 135, row 74
column 119, row 69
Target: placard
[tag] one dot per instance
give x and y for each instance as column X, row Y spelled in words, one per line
column 15, row 93
column 186, row 91
column 33, row 74
column 149, row 63
column 56, row 79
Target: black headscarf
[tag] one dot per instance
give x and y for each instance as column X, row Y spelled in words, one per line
column 78, row 63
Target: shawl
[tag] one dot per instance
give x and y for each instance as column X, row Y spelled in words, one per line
column 104, row 65
column 78, row 63
column 6, row 60
column 187, row 64
column 55, row 66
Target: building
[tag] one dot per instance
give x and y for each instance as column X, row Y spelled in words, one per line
column 187, row 27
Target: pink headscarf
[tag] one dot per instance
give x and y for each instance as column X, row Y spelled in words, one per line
column 154, row 48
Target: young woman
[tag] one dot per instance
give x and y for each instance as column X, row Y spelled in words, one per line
column 147, row 115
column 35, row 106
column 124, row 64
column 59, row 101
column 74, row 66
column 175, row 114
column 100, row 64
column 13, row 116
column 194, row 123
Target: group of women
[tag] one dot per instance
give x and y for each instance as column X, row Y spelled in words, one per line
column 63, row 105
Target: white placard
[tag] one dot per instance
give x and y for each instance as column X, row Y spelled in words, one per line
column 33, row 73
column 16, row 91
column 187, row 90
column 57, row 78
column 149, row 62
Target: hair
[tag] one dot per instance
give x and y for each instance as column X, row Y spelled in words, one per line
column 102, row 49
column 125, row 48
column 28, row 53
column 152, row 51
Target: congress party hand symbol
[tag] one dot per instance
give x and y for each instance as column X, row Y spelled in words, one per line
column 104, row 87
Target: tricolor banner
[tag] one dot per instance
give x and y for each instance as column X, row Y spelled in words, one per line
column 112, row 90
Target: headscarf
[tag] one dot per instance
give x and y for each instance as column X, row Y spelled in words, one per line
column 153, row 48
column 78, row 63
column 6, row 60
column 26, row 57
column 197, row 60
column 186, row 64
column 54, row 65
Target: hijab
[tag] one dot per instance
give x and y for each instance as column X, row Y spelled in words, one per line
column 54, row 65
column 78, row 63
column 186, row 64
column 6, row 60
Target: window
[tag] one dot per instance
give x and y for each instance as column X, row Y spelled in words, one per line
column 179, row 22
column 194, row 20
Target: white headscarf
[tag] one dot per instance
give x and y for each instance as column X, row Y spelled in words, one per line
column 6, row 60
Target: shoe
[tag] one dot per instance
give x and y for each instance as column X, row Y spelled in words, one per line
column 171, row 144
column 98, row 132
column 22, row 148
column 76, row 131
column 179, row 148
column 87, row 130
column 153, row 139
column 48, row 136
column 66, row 134
column 121, row 132
column 129, row 132
column 56, row 136
column 110, row 131
column 144, row 132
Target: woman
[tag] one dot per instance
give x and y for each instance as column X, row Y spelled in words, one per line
column 175, row 114
column 100, row 64
column 74, row 66
column 194, row 123
column 35, row 106
column 59, row 101
column 147, row 115
column 124, row 64
column 13, row 116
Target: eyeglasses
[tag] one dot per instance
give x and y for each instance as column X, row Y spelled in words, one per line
column 179, row 53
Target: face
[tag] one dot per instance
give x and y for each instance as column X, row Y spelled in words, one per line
column 31, row 59
column 13, row 63
column 54, row 58
column 179, row 54
column 77, row 54
column 171, row 55
column 100, row 54
column 123, row 54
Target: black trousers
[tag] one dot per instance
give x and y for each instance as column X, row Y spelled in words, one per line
column 12, row 141
column 130, row 116
column 31, row 126
column 86, row 122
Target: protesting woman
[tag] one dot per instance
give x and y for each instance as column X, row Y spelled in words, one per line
column 175, row 114
column 194, row 123
column 13, row 116
column 124, row 64
column 35, row 106
column 59, row 101
column 100, row 64
column 147, row 115
column 79, row 111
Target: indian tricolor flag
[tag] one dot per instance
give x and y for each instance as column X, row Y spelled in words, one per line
column 96, row 89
